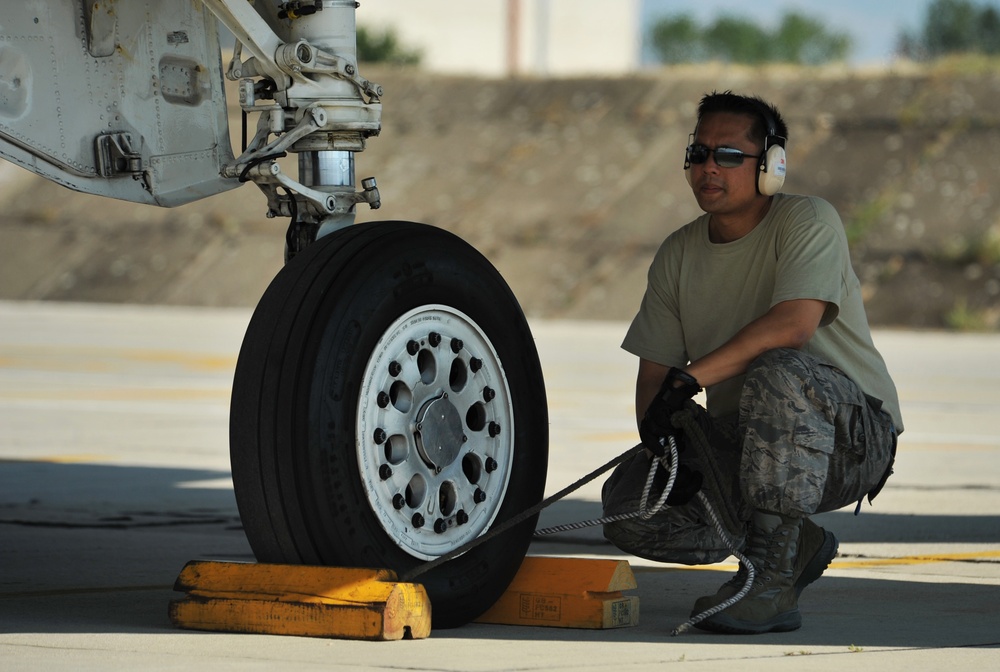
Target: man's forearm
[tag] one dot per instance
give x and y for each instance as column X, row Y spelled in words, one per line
column 789, row 324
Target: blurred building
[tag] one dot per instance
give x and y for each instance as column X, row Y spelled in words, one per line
column 505, row 37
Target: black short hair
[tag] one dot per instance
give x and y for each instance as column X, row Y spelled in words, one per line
column 752, row 106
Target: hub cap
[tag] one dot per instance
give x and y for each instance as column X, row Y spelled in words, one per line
column 435, row 431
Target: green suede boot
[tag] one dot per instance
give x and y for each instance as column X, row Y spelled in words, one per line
column 817, row 549
column 772, row 603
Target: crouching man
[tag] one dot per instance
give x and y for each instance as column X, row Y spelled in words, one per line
column 755, row 301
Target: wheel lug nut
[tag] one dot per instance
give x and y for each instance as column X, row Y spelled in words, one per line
column 382, row 399
column 479, row 496
column 385, row 472
column 395, row 369
column 398, row 501
column 412, row 347
column 494, row 429
column 434, row 339
column 440, row 526
column 491, row 465
column 461, row 517
column 489, row 394
column 380, row 436
column 475, row 364
column 417, row 520
column 457, row 345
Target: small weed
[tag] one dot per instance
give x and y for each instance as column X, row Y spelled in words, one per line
column 971, row 64
column 798, row 653
column 911, row 114
column 988, row 248
column 864, row 217
column 982, row 248
column 963, row 318
column 891, row 267
column 855, row 649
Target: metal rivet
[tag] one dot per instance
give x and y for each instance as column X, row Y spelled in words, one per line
column 494, row 428
column 440, row 526
column 434, row 339
column 488, row 394
column 475, row 364
column 385, row 472
column 412, row 347
column 395, row 369
column 417, row 520
column 457, row 345
column 380, row 436
column 491, row 465
column 398, row 501
column 382, row 399
column 479, row 496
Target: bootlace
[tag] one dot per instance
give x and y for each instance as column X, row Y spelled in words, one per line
column 739, row 578
column 746, row 566
column 764, row 550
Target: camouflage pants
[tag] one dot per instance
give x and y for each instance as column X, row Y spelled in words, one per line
column 807, row 440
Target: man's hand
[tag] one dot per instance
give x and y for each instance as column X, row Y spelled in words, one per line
column 656, row 426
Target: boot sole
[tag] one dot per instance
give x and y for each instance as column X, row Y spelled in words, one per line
column 722, row 623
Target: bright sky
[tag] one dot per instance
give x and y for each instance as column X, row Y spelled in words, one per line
column 873, row 25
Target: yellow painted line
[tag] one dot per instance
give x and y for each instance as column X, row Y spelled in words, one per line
column 99, row 359
column 123, row 394
column 78, row 458
column 861, row 563
column 37, row 363
column 915, row 560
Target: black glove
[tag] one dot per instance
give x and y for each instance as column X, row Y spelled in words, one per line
column 656, row 426
column 686, row 485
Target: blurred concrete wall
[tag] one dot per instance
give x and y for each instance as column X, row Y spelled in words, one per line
column 502, row 37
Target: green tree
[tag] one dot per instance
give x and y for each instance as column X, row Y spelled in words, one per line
column 384, row 47
column 677, row 39
column 800, row 39
column 737, row 40
column 989, row 31
column 797, row 39
column 953, row 27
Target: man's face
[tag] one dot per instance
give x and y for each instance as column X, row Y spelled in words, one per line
column 725, row 191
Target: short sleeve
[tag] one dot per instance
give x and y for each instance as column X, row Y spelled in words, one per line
column 812, row 258
column 655, row 333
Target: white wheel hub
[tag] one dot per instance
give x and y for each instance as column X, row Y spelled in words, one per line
column 435, row 437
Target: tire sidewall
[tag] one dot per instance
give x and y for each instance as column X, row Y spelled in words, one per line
column 423, row 266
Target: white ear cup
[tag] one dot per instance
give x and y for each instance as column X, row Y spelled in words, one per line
column 772, row 171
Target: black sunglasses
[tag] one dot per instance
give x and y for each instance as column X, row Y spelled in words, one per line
column 726, row 157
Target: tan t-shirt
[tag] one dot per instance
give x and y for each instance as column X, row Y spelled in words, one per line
column 701, row 293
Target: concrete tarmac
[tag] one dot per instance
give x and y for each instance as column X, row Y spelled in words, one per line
column 114, row 473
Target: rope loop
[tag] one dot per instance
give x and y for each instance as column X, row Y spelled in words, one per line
column 645, row 511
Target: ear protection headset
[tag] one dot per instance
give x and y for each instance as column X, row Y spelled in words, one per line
column 771, row 166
